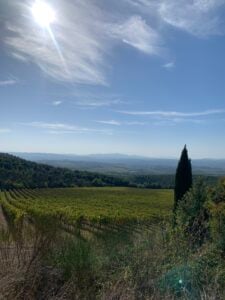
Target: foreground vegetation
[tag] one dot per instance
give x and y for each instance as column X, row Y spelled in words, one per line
column 152, row 259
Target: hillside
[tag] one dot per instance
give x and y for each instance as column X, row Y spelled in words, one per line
column 17, row 173
column 119, row 164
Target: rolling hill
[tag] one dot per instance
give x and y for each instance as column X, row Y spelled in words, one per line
column 17, row 173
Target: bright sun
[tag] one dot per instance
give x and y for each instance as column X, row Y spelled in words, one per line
column 43, row 13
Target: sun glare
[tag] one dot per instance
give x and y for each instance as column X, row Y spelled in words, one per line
column 43, row 13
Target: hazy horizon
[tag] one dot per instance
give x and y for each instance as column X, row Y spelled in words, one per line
column 112, row 154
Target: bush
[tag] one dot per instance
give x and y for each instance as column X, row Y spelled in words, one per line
column 217, row 210
column 193, row 215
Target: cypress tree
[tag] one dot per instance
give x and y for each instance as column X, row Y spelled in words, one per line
column 183, row 178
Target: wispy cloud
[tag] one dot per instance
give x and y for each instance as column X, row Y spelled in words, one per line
column 110, row 122
column 169, row 65
column 57, row 103
column 5, row 130
column 8, row 82
column 82, row 40
column 77, row 33
column 19, row 57
column 120, row 123
column 137, row 33
column 174, row 113
column 197, row 17
column 84, row 34
column 94, row 100
column 62, row 128
column 174, row 121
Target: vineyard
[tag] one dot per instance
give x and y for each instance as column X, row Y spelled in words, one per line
column 73, row 208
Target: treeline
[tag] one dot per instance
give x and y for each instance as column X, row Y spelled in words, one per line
column 19, row 173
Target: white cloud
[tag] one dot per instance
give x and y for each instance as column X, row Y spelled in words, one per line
column 137, row 33
column 57, row 103
column 110, row 122
column 80, row 42
column 173, row 114
column 169, row 65
column 197, row 17
column 61, row 128
column 120, row 123
column 174, row 121
column 8, row 82
column 94, row 100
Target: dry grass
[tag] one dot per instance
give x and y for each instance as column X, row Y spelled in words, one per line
column 47, row 265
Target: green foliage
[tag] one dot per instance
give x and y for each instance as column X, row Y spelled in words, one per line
column 19, row 173
column 192, row 213
column 217, row 210
column 183, row 178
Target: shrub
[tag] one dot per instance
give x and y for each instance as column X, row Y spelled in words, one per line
column 217, row 210
column 193, row 214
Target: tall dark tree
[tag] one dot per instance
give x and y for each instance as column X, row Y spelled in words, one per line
column 183, row 178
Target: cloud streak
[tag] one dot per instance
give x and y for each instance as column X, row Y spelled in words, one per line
column 57, row 103
column 110, row 122
column 120, row 123
column 8, row 82
column 5, row 130
column 169, row 65
column 172, row 114
column 62, row 128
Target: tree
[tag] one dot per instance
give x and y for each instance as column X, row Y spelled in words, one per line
column 183, row 178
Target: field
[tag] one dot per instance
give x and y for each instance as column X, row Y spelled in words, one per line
column 80, row 206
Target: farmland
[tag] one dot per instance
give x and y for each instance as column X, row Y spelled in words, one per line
column 73, row 206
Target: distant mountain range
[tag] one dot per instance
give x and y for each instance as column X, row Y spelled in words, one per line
column 124, row 164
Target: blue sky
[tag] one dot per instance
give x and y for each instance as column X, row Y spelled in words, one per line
column 138, row 77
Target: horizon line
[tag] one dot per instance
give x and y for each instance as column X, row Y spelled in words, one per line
column 110, row 153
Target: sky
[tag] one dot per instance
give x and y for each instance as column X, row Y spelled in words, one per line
column 139, row 77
